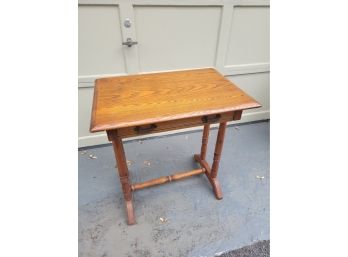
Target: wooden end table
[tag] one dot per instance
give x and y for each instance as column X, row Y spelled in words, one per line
column 136, row 105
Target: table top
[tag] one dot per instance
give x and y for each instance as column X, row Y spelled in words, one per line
column 149, row 98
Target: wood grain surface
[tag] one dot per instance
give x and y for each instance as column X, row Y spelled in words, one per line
column 125, row 101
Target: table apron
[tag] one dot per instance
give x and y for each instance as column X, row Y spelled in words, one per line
column 174, row 124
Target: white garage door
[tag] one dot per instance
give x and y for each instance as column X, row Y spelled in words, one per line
column 232, row 36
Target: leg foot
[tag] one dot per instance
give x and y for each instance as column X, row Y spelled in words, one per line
column 130, row 213
column 216, row 188
column 213, row 181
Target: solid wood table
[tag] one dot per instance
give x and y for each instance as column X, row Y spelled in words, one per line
column 136, row 105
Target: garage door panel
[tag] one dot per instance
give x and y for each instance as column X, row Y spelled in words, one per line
column 100, row 41
column 249, row 36
column 176, row 37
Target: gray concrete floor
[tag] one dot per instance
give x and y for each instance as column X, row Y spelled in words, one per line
column 194, row 222
column 259, row 249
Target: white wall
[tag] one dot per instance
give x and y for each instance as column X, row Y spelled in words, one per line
column 232, row 36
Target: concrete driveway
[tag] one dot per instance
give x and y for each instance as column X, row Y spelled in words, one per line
column 182, row 218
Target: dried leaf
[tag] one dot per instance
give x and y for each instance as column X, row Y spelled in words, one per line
column 83, row 152
column 163, row 220
column 260, row 177
column 92, row 156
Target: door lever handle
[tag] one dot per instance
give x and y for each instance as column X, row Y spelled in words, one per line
column 129, row 42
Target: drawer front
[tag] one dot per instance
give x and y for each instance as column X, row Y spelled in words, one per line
column 178, row 124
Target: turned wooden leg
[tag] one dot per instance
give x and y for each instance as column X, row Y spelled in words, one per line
column 124, row 177
column 217, row 155
column 211, row 173
column 205, row 141
column 218, row 148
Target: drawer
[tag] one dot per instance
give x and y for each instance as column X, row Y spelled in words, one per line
column 177, row 124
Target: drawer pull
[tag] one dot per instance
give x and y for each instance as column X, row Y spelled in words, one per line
column 141, row 130
column 207, row 119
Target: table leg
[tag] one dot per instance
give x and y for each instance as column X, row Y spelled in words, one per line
column 211, row 173
column 205, row 141
column 217, row 155
column 218, row 149
column 124, row 177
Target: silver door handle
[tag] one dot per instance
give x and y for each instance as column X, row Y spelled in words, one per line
column 129, row 42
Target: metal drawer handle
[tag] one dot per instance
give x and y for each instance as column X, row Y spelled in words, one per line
column 140, row 129
column 211, row 119
column 129, row 42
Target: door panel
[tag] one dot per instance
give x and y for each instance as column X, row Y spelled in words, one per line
column 100, row 41
column 249, row 36
column 176, row 37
